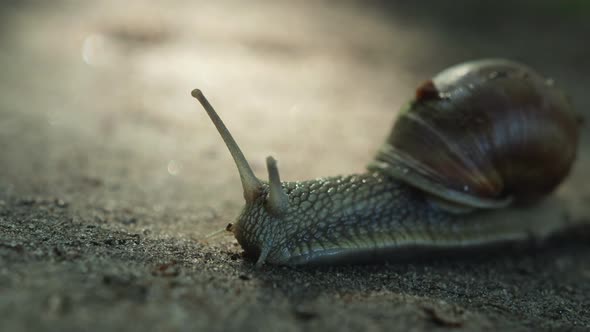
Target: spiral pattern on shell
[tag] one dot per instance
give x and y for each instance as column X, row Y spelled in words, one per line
column 483, row 134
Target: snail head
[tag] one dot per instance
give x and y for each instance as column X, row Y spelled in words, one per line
column 265, row 201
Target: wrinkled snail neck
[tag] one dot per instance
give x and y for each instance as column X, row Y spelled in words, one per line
column 278, row 201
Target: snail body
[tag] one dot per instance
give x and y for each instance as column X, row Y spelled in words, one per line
column 478, row 137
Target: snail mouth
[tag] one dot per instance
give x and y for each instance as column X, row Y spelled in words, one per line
column 255, row 252
column 257, row 249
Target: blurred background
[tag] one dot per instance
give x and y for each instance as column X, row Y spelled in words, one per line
column 96, row 115
column 95, row 104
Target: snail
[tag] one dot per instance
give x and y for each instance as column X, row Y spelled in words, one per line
column 475, row 144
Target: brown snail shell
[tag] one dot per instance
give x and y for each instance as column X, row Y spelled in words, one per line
column 483, row 134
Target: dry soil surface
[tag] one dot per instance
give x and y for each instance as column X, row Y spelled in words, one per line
column 111, row 175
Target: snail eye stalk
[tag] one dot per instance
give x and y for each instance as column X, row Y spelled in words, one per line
column 278, row 201
column 250, row 182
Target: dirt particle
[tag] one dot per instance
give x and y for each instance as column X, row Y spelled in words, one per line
column 60, row 203
column 28, row 201
column 110, row 241
column 170, row 269
column 129, row 221
column 304, row 314
column 16, row 247
column 92, row 181
column 444, row 318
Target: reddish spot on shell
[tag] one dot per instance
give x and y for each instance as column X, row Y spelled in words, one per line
column 427, row 91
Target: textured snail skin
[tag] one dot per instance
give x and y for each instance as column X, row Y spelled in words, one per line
column 366, row 218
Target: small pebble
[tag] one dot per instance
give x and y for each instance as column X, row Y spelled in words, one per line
column 60, row 203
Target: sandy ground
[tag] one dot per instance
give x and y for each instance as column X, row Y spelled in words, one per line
column 111, row 175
